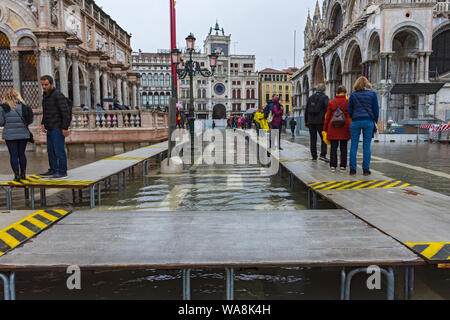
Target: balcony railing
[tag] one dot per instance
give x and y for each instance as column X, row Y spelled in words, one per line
column 442, row 9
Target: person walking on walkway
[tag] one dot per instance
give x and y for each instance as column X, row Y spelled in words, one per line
column 316, row 109
column 293, row 125
column 15, row 117
column 364, row 111
column 56, row 120
column 337, row 127
column 260, row 120
column 277, row 120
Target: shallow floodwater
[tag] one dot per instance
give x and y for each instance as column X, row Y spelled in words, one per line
column 235, row 188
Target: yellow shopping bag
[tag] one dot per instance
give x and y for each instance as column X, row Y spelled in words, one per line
column 325, row 138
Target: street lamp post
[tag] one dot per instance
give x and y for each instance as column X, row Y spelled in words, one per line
column 191, row 69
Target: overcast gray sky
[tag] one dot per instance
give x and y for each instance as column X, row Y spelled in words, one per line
column 261, row 27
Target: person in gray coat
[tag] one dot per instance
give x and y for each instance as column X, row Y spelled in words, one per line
column 15, row 117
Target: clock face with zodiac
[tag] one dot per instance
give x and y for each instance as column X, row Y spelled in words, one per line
column 219, row 89
column 222, row 49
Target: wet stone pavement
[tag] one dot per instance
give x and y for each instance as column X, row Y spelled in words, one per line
column 232, row 188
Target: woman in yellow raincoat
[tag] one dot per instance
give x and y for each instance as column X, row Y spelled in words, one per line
column 261, row 120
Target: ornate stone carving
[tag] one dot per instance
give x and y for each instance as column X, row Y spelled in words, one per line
column 31, row 5
column 54, row 12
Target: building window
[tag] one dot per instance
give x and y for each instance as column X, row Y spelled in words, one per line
column 150, row 80
column 150, row 99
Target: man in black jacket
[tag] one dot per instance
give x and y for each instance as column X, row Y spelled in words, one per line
column 316, row 109
column 56, row 120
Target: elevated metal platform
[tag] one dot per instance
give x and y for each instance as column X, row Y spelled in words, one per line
column 416, row 217
column 96, row 240
column 88, row 176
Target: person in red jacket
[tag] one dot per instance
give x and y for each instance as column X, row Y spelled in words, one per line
column 338, row 135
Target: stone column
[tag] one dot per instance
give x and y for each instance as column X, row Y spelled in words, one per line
column 16, row 70
column 46, row 62
column 134, row 89
column 63, row 80
column 105, row 87
column 421, row 68
column 76, row 80
column 97, row 94
column 124, row 92
column 88, row 101
column 406, row 106
column 427, row 67
column 119, row 90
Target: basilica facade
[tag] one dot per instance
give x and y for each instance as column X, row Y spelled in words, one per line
column 76, row 42
column 401, row 46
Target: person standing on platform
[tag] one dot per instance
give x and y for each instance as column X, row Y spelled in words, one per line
column 364, row 110
column 337, row 128
column 277, row 121
column 56, row 120
column 316, row 109
column 15, row 117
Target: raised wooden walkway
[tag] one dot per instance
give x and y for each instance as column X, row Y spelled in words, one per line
column 416, row 217
column 88, row 176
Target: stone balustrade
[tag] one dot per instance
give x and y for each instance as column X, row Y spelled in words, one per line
column 109, row 127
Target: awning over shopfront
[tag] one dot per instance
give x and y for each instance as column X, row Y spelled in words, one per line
column 417, row 88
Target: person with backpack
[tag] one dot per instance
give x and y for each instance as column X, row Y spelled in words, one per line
column 56, row 119
column 364, row 110
column 316, row 108
column 15, row 117
column 337, row 128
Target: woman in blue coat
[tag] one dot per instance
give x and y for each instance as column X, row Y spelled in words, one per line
column 364, row 111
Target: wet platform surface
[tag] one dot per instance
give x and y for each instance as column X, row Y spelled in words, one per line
column 414, row 216
column 179, row 240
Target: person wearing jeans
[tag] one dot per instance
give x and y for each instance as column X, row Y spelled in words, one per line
column 56, row 120
column 57, row 158
column 15, row 117
column 364, row 110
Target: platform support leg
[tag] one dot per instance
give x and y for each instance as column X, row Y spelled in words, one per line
column 27, row 195
column 9, row 290
column 187, row 284
column 99, row 191
column 119, row 181
column 280, row 172
column 144, row 168
column 43, row 198
column 291, row 182
column 312, row 199
column 389, row 274
column 343, row 277
column 80, row 195
column 92, row 196
column 124, row 174
column 230, row 284
column 409, row 283
column 73, row 196
column 32, row 205
column 8, row 198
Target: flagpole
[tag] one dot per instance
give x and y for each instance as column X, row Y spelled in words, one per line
column 174, row 98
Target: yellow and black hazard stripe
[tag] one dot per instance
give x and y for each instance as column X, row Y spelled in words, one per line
column 126, row 159
column 359, row 185
column 438, row 252
column 25, row 229
column 38, row 181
